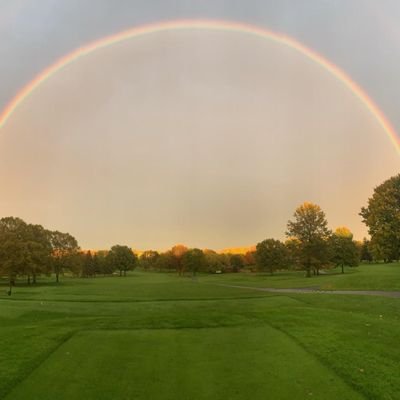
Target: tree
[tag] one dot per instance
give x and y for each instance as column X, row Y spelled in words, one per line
column 165, row 262
column 310, row 228
column 343, row 248
column 88, row 265
column 38, row 251
column 213, row 261
column 193, row 260
column 104, row 266
column 64, row 250
column 148, row 259
column 236, row 262
column 12, row 248
column 249, row 258
column 123, row 258
column 177, row 253
column 382, row 217
column 24, row 249
column 271, row 255
column 293, row 247
column 225, row 261
column 76, row 266
column 365, row 253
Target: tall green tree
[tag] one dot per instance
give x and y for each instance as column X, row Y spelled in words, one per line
column 24, row 249
column 271, row 255
column 123, row 258
column 38, row 251
column 382, row 217
column 12, row 248
column 64, row 251
column 193, row 260
column 310, row 227
column 344, row 251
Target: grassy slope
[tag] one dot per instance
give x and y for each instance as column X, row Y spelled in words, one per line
column 352, row 340
column 365, row 277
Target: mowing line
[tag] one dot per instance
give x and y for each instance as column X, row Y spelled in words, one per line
column 37, row 363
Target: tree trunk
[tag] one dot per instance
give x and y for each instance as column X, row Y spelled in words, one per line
column 342, row 269
column 57, row 277
column 34, row 278
column 120, row 272
column 308, row 272
column 29, row 279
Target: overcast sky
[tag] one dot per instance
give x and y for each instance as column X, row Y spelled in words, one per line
column 206, row 138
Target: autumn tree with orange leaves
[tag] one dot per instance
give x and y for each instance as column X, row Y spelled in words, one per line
column 177, row 253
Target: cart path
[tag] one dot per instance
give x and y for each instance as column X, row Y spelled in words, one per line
column 394, row 294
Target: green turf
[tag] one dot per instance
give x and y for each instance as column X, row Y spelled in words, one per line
column 182, row 364
column 152, row 287
column 365, row 277
column 157, row 336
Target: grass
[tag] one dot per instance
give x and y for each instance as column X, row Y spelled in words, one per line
column 173, row 364
column 365, row 277
column 157, row 336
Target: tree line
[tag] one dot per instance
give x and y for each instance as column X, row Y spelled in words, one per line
column 30, row 250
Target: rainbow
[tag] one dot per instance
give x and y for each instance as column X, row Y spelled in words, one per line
column 215, row 25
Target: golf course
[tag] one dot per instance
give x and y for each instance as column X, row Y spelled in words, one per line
column 156, row 336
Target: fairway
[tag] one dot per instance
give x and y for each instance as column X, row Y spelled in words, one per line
column 160, row 336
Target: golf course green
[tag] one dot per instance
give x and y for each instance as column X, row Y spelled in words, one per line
column 159, row 336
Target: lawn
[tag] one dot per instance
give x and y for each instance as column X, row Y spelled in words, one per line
column 182, row 364
column 365, row 277
column 158, row 336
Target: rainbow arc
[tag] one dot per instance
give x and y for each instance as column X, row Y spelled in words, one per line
column 215, row 25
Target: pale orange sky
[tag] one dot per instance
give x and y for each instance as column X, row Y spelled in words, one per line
column 210, row 139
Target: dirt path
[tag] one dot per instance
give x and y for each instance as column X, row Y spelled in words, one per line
column 307, row 290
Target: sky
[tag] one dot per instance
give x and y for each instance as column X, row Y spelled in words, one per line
column 206, row 138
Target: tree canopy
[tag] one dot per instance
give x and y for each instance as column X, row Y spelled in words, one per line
column 25, row 249
column 310, row 227
column 64, row 250
column 123, row 258
column 343, row 248
column 193, row 260
column 271, row 255
column 382, row 217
